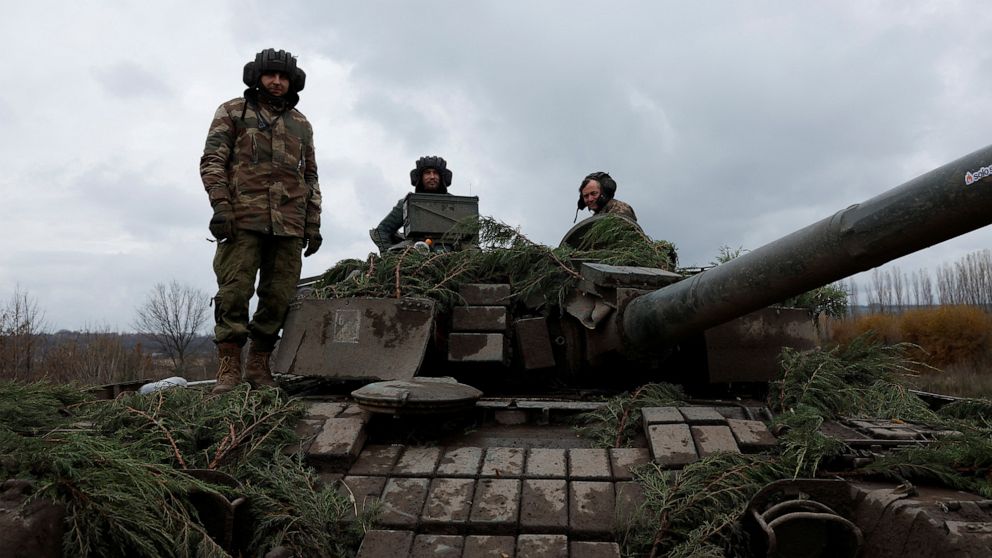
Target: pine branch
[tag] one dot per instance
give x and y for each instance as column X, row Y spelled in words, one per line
column 165, row 431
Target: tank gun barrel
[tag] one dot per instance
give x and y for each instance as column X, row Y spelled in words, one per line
column 944, row 203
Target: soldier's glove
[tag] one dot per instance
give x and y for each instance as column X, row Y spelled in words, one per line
column 312, row 241
column 222, row 223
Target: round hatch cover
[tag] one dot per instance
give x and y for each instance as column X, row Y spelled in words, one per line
column 416, row 396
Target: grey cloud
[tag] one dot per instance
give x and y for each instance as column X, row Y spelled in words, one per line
column 723, row 123
column 129, row 80
column 376, row 193
column 402, row 120
column 6, row 114
column 146, row 207
column 108, row 285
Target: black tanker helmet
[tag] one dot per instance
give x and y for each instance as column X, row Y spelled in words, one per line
column 272, row 60
column 608, row 187
column 431, row 162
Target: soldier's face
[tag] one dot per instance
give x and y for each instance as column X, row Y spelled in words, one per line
column 276, row 83
column 590, row 194
column 431, row 180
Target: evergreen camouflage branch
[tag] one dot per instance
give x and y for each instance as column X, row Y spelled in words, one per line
column 503, row 255
column 113, row 464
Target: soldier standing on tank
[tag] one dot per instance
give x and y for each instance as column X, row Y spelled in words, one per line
column 260, row 173
column 430, row 175
column 596, row 193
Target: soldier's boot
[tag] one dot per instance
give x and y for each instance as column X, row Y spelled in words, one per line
column 257, row 370
column 229, row 370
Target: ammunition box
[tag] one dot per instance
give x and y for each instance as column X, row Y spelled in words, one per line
column 433, row 215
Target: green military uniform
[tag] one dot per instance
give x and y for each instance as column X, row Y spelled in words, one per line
column 261, row 161
column 386, row 234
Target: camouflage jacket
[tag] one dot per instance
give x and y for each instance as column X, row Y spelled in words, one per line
column 262, row 162
column 618, row 207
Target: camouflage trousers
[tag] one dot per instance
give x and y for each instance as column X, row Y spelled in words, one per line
column 276, row 260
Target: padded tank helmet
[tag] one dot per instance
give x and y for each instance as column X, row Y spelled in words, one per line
column 608, row 187
column 431, row 162
column 272, row 60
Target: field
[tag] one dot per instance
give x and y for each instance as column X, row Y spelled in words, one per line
column 952, row 344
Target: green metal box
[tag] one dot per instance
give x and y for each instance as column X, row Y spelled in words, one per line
column 433, row 215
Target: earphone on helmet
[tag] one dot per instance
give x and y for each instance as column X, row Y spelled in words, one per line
column 608, row 187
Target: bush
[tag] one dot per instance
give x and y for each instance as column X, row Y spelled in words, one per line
column 945, row 335
column 949, row 334
column 92, row 357
column 884, row 326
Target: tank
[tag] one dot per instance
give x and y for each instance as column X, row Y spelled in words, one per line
column 457, row 419
column 456, row 423
column 649, row 322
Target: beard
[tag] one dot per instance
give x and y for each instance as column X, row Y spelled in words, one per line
column 275, row 91
column 279, row 103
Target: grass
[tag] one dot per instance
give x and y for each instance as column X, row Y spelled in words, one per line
column 953, row 344
column 958, row 380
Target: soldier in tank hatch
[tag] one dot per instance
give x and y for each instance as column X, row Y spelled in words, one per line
column 430, row 175
column 596, row 193
column 260, row 173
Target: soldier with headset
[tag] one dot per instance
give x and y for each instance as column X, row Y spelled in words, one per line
column 430, row 175
column 596, row 193
column 260, row 173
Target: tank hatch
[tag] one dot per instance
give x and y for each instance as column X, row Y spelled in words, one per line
column 418, row 396
column 356, row 338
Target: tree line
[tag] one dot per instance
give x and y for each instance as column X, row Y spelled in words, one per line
column 171, row 321
column 966, row 282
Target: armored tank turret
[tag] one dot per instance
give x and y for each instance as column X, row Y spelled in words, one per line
column 717, row 326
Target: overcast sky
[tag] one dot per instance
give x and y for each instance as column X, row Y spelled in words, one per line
column 724, row 123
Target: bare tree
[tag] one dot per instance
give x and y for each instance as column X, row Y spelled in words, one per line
column 945, row 285
column 974, row 278
column 964, row 282
column 21, row 327
column 967, row 281
column 172, row 316
column 922, row 288
column 880, row 297
column 854, row 295
column 896, row 280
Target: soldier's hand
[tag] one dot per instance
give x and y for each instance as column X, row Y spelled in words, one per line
column 222, row 223
column 312, row 241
